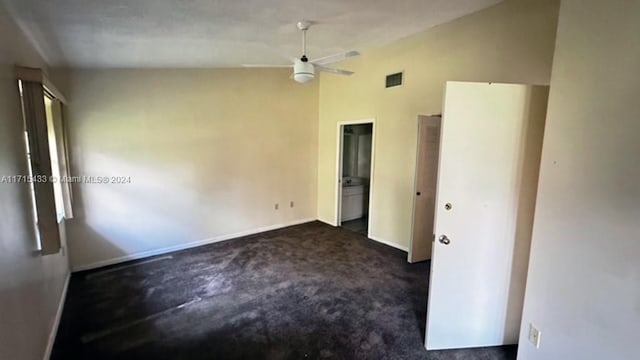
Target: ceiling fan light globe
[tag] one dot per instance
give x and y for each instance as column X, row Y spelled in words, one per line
column 303, row 78
column 303, row 72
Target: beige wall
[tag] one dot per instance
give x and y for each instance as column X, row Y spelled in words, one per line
column 511, row 42
column 209, row 153
column 583, row 288
column 30, row 284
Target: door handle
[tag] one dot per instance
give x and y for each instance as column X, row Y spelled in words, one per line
column 444, row 240
column 418, row 193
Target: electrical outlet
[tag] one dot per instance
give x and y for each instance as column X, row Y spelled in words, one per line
column 534, row 336
column 291, row 204
column 277, row 206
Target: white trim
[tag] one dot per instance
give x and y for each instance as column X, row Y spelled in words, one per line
column 56, row 320
column 193, row 244
column 390, row 243
column 337, row 221
column 327, row 222
column 371, row 177
column 338, row 191
column 376, row 239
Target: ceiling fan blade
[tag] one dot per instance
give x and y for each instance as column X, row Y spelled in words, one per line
column 332, row 70
column 335, row 58
column 265, row 66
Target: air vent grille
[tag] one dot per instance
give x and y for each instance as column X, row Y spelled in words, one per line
column 394, row 80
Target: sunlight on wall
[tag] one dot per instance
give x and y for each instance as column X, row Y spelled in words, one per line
column 127, row 214
column 209, row 154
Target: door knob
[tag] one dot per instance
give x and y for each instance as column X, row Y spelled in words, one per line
column 444, row 240
column 418, row 193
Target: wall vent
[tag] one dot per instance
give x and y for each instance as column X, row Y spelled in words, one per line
column 394, row 80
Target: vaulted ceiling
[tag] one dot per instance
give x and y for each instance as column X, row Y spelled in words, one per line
column 217, row 33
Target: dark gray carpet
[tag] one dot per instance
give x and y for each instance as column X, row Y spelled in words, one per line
column 305, row 292
column 361, row 226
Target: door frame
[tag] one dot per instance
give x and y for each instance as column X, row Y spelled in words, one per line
column 415, row 179
column 339, row 148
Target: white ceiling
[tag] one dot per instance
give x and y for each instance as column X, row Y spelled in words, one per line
column 216, row 33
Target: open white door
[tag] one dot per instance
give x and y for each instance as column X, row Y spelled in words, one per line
column 488, row 170
column 425, row 196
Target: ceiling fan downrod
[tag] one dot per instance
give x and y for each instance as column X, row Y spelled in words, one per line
column 304, row 26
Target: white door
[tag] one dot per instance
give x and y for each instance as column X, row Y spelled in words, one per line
column 488, row 169
column 425, row 196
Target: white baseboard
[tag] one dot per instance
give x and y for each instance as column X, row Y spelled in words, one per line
column 56, row 320
column 193, row 244
column 374, row 238
column 392, row 244
column 328, row 222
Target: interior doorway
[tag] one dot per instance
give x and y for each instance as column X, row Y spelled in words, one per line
column 355, row 173
column 425, row 187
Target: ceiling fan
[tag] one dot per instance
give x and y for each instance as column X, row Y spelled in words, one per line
column 303, row 68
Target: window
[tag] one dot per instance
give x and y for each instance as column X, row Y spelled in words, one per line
column 46, row 156
column 54, row 154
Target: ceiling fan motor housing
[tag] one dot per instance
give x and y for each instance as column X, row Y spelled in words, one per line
column 303, row 72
